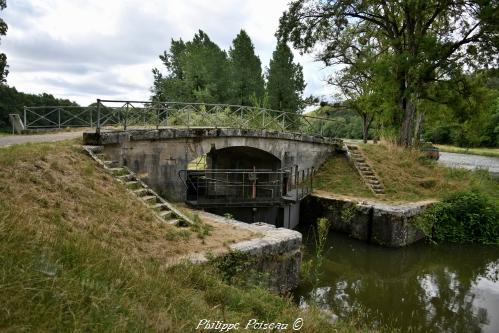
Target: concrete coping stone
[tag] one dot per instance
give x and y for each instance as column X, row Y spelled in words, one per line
column 273, row 241
column 118, row 136
column 406, row 209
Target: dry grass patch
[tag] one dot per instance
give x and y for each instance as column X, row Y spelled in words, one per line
column 406, row 175
column 54, row 188
column 339, row 176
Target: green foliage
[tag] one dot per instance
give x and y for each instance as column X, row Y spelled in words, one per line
column 348, row 211
column 312, row 269
column 201, row 228
column 3, row 58
column 285, row 80
column 198, row 71
column 344, row 123
column 464, row 111
column 246, row 80
column 420, row 44
column 232, row 265
column 464, row 217
column 12, row 101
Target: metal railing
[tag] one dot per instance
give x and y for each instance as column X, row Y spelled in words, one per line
column 59, row 116
column 130, row 114
column 246, row 187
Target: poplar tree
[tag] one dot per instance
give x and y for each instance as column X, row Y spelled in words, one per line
column 246, row 80
column 285, row 80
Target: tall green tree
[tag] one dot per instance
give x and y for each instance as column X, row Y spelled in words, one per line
column 285, row 83
column 197, row 70
column 172, row 86
column 246, row 77
column 3, row 58
column 425, row 39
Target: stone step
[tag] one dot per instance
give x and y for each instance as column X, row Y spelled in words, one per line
column 166, row 214
column 141, row 192
column 111, row 163
column 149, row 198
column 174, row 222
column 159, row 206
column 352, row 147
column 118, row 171
column 374, row 182
column 132, row 183
column 125, row 178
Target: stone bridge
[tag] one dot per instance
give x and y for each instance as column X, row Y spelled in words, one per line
column 159, row 155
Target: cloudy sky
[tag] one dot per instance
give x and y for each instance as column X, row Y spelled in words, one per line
column 88, row 49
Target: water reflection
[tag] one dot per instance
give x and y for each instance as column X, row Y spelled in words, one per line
column 421, row 288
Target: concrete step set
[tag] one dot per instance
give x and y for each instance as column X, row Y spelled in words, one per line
column 365, row 170
column 164, row 211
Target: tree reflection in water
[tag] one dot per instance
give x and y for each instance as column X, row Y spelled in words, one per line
column 422, row 288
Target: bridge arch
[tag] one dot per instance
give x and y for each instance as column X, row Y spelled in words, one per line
column 159, row 155
column 242, row 157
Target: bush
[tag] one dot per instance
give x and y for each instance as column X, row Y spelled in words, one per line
column 465, row 217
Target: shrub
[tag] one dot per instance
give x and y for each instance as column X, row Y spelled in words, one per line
column 465, row 217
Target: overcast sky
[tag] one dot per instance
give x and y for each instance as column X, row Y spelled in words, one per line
column 88, row 49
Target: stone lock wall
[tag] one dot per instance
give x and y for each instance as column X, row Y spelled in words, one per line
column 384, row 224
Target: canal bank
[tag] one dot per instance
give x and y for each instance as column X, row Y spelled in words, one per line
column 390, row 225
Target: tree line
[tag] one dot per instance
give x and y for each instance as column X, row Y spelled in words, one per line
column 13, row 101
column 200, row 71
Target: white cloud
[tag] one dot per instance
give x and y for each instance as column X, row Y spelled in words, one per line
column 85, row 50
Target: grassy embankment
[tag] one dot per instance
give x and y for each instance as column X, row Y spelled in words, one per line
column 492, row 152
column 406, row 175
column 78, row 253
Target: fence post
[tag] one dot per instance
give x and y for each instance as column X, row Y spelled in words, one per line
column 157, row 116
column 97, row 130
column 59, row 117
column 25, row 117
column 126, row 117
column 91, row 122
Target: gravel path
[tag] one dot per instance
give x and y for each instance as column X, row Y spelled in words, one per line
column 9, row 140
column 471, row 162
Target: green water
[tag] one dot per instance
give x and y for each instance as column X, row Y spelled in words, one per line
column 421, row 288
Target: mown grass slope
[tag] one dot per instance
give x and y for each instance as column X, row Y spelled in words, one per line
column 406, row 175
column 77, row 253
